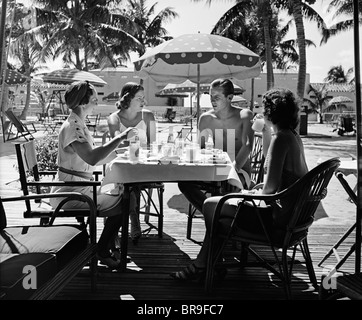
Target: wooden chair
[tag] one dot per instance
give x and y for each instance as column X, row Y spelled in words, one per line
column 31, row 182
column 185, row 133
column 92, row 121
column 306, row 193
column 257, row 161
column 21, row 127
column 57, row 251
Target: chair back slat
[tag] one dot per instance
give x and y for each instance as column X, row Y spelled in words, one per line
column 311, row 189
column 27, row 164
column 2, row 216
column 257, row 160
column 18, row 125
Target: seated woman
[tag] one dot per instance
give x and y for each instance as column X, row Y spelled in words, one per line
column 77, row 156
column 285, row 164
column 132, row 114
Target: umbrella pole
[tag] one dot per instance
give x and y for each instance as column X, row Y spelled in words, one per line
column 191, row 112
column 357, row 71
column 198, row 95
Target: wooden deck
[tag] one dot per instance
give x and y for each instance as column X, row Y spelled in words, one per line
column 152, row 259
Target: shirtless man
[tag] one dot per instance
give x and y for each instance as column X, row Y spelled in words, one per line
column 230, row 128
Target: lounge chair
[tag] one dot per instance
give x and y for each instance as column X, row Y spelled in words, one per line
column 20, row 126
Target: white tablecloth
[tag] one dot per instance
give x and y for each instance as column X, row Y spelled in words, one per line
column 121, row 170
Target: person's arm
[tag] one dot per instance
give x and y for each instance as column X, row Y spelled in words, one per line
column 277, row 154
column 247, row 139
column 267, row 136
column 113, row 125
column 151, row 127
column 94, row 156
column 205, row 130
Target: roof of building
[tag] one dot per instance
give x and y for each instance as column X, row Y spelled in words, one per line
column 335, row 87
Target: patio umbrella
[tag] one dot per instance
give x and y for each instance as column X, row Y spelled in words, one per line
column 13, row 78
column 338, row 102
column 67, row 76
column 189, row 86
column 200, row 58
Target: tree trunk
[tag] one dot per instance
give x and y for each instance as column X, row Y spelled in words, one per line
column 252, row 95
column 268, row 52
column 298, row 17
column 26, row 64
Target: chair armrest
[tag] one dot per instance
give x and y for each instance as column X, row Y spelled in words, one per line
column 68, row 197
column 64, row 183
column 47, row 173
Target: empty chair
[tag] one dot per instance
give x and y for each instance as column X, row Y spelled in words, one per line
column 20, row 126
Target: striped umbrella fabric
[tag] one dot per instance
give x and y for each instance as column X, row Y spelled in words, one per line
column 67, row 76
column 13, row 78
column 189, row 86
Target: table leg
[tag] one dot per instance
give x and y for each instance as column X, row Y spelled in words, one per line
column 124, row 236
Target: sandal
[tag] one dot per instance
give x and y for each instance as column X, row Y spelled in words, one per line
column 109, row 261
column 189, row 273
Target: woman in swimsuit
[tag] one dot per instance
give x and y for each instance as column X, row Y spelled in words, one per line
column 285, row 164
column 131, row 114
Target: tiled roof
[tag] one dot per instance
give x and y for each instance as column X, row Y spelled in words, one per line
column 335, row 87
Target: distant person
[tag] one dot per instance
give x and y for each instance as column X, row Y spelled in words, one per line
column 230, row 129
column 285, row 164
column 131, row 114
column 77, row 158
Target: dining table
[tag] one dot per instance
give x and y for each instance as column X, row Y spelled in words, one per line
column 159, row 168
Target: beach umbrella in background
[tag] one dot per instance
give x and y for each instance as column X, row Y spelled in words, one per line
column 13, row 78
column 200, row 58
column 67, row 76
column 338, row 102
column 190, row 88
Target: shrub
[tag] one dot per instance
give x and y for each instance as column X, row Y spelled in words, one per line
column 47, row 153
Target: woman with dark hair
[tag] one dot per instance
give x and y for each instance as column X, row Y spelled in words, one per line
column 77, row 156
column 285, row 164
column 131, row 113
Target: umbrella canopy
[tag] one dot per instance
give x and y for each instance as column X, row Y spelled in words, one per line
column 13, row 78
column 189, row 86
column 339, row 100
column 178, row 59
column 67, row 76
column 200, row 58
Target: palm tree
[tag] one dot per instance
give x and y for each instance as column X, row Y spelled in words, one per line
column 319, row 102
column 344, row 7
column 149, row 32
column 98, row 29
column 337, row 74
column 242, row 24
column 265, row 12
column 299, row 10
column 25, row 48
